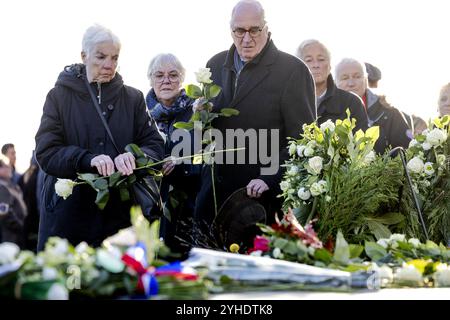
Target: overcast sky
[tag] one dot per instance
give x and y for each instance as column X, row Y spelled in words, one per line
column 407, row 40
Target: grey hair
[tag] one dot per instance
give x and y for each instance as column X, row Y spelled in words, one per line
column 97, row 34
column 348, row 61
column 164, row 59
column 254, row 3
column 309, row 42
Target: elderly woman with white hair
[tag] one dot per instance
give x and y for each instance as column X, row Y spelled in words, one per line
column 73, row 138
column 168, row 104
column 444, row 101
column 332, row 102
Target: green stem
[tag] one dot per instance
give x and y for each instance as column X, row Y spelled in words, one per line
column 313, row 210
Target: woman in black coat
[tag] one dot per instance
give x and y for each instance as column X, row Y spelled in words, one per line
column 72, row 139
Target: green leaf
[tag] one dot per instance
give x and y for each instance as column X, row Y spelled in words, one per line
column 291, row 248
column 228, row 112
column 214, row 91
column 280, row 243
column 342, row 250
column 389, row 218
column 355, row 250
column 87, row 176
column 193, row 91
column 374, row 251
column 184, row 125
column 323, row 255
column 102, row 198
column 114, row 178
column 124, row 194
column 131, row 179
column 141, row 162
column 373, row 133
column 135, row 150
column 101, row 184
column 379, row 230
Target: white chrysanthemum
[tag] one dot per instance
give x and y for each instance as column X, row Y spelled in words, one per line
column 8, row 252
column 64, row 187
column 413, row 143
column 308, row 152
column 304, row 194
column 428, row 168
column 203, row 75
column 284, row 185
column 293, row 170
column 415, row 165
column 315, row 165
column 327, row 125
column 436, row 137
column 442, row 275
column 58, row 292
column 292, row 149
column 408, row 273
column 414, row 241
column 383, row 242
column 300, row 150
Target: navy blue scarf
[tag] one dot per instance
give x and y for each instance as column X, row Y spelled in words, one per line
column 165, row 116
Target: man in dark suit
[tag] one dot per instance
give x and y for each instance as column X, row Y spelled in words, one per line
column 274, row 93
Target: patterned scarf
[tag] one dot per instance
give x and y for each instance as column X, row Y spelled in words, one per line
column 165, row 116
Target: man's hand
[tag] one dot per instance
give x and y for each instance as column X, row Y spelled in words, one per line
column 125, row 163
column 168, row 166
column 256, row 187
column 200, row 104
column 104, row 165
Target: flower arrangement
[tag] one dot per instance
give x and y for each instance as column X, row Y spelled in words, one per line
column 333, row 174
column 429, row 167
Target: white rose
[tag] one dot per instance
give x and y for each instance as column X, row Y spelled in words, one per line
column 300, row 150
column 292, row 149
column 436, row 137
column 308, row 151
column 415, row 165
column 323, row 186
column 415, row 242
column 284, row 185
column 441, row 158
column 370, row 157
column 426, row 146
column 304, row 194
column 203, row 75
column 276, row 253
column 49, row 273
column 8, row 252
column 64, row 187
column 397, row 237
column 315, row 165
column 383, row 242
column 61, row 247
column 408, row 273
column 81, row 247
column 442, row 275
column 428, row 168
column 293, row 170
column 413, row 143
column 327, row 125
column 58, row 292
column 315, row 189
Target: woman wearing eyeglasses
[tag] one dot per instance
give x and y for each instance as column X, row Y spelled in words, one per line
column 168, row 104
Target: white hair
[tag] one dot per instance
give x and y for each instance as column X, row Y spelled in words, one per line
column 97, row 34
column 258, row 6
column 308, row 42
column 164, row 59
column 350, row 61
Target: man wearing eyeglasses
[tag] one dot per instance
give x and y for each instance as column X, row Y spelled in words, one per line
column 272, row 90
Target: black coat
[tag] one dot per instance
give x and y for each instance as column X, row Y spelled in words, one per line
column 393, row 125
column 70, row 135
column 12, row 221
column 334, row 104
column 274, row 90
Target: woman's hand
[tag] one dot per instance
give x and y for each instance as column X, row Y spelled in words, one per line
column 125, row 163
column 104, row 165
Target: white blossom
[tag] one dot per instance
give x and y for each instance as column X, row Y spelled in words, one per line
column 49, row 273
column 304, row 194
column 58, row 292
column 315, row 189
column 308, row 152
column 203, row 75
column 414, row 241
column 315, row 165
column 383, row 242
column 397, row 237
column 408, row 273
column 292, row 149
column 284, row 185
column 64, row 187
column 440, row 159
column 323, row 185
column 386, row 275
column 8, row 252
column 327, row 198
column 436, row 137
column 327, row 125
column 413, row 143
column 426, row 146
column 276, row 253
column 300, row 150
column 428, row 168
column 442, row 275
column 415, row 165
column 293, row 170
